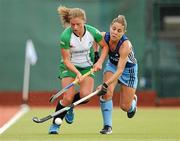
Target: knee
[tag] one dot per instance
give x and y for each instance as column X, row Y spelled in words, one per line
column 67, row 100
column 83, row 95
column 107, row 96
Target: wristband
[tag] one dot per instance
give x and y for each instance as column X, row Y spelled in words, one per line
column 105, row 85
column 96, row 53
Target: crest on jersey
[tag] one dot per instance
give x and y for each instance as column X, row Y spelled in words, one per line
column 90, row 44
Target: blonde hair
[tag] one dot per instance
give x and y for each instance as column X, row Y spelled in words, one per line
column 122, row 20
column 66, row 14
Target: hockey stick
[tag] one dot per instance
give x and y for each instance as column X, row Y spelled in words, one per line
column 55, row 96
column 37, row 120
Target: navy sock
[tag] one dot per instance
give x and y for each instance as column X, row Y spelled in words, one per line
column 77, row 97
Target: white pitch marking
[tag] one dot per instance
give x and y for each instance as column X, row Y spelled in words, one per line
column 24, row 109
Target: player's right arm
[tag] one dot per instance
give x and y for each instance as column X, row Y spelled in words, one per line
column 66, row 59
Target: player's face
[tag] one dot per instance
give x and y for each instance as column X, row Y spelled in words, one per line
column 77, row 25
column 116, row 31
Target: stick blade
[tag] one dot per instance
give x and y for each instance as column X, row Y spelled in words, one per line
column 36, row 120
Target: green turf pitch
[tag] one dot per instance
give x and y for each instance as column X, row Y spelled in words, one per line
column 150, row 124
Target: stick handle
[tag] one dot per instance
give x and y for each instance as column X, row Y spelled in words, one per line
column 37, row 120
column 84, row 76
column 75, row 103
column 54, row 97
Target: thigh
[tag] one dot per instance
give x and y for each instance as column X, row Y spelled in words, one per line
column 126, row 95
column 129, row 77
column 66, row 81
column 86, row 86
column 69, row 94
column 111, row 87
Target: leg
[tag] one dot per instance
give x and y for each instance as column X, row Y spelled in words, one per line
column 67, row 99
column 107, row 106
column 86, row 87
column 69, row 117
column 128, row 100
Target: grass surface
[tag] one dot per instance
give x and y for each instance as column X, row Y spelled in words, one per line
column 150, row 124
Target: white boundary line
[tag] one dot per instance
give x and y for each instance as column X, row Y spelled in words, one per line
column 24, row 109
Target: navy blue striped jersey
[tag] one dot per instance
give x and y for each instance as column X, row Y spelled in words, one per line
column 114, row 55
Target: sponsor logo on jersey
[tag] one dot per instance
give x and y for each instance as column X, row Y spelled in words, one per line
column 80, row 51
column 114, row 59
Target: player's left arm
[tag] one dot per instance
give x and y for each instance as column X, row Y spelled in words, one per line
column 104, row 51
column 96, row 52
column 96, row 49
column 98, row 65
column 105, row 48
